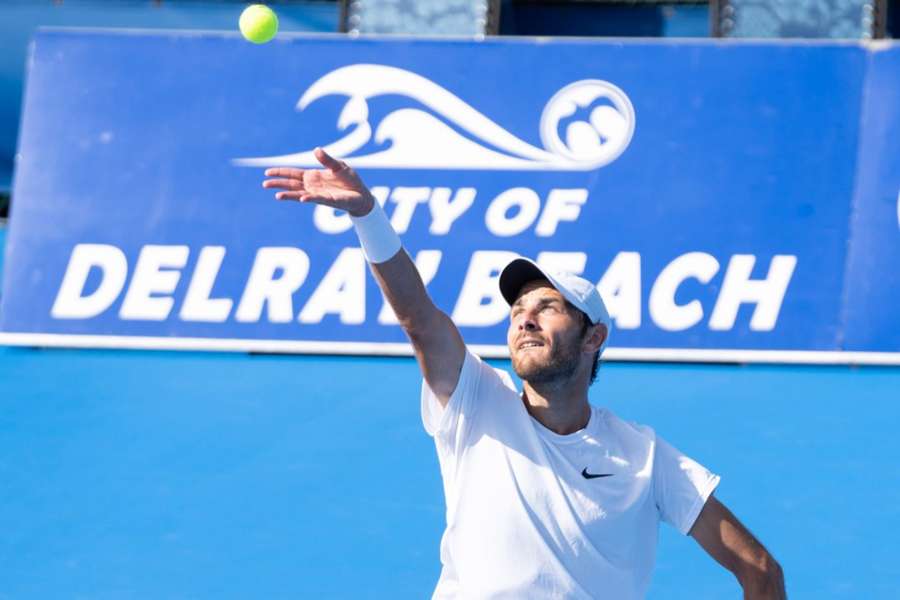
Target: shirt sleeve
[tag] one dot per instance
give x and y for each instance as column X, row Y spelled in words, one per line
column 439, row 419
column 681, row 486
column 448, row 424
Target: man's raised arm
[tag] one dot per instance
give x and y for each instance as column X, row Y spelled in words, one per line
column 435, row 339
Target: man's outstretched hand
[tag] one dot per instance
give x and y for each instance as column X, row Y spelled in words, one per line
column 337, row 185
column 437, row 343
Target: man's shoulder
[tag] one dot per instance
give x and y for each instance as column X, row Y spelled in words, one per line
column 629, row 430
column 496, row 379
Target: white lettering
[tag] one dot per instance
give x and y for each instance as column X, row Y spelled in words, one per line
column 263, row 288
column 150, row 278
column 406, row 199
column 562, row 205
column 766, row 293
column 525, row 200
column 70, row 303
column 620, row 289
column 663, row 310
column 444, row 211
column 570, row 262
column 198, row 306
column 331, row 220
column 380, row 193
column 342, row 291
column 480, row 303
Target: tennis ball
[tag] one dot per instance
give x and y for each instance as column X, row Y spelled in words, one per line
column 258, row 23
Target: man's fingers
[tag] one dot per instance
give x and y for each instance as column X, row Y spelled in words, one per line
column 304, row 196
column 285, row 172
column 286, row 184
column 328, row 161
column 301, row 196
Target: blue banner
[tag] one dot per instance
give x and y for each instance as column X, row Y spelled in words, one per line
column 872, row 289
column 709, row 189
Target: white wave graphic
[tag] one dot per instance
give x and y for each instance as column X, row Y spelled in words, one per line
column 416, row 139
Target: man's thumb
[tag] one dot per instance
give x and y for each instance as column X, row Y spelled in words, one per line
column 327, row 161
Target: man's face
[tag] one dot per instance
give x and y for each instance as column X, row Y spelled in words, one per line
column 545, row 334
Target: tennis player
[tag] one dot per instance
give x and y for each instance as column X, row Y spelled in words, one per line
column 547, row 496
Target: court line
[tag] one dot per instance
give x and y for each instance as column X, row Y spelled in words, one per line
column 50, row 340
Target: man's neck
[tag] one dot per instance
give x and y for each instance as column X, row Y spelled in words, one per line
column 561, row 407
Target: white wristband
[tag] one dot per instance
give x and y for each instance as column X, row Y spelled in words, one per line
column 376, row 236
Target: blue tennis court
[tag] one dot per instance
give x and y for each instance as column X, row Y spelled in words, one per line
column 130, row 474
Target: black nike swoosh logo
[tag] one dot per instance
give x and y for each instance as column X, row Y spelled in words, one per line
column 587, row 475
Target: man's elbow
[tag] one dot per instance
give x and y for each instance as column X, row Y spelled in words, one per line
column 424, row 324
column 417, row 318
column 763, row 578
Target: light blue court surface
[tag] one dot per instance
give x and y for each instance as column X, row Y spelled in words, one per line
column 168, row 475
column 183, row 475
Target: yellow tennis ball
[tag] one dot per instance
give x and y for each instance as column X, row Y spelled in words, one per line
column 258, row 23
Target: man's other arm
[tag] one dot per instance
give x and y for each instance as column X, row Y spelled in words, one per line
column 724, row 538
column 436, row 341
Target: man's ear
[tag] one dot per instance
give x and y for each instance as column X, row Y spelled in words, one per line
column 596, row 335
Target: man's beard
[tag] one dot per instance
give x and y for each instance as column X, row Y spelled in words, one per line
column 561, row 366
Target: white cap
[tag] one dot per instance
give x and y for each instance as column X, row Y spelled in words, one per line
column 577, row 290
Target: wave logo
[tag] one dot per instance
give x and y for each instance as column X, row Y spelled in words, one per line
column 585, row 125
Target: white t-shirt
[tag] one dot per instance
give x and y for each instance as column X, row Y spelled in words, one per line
column 523, row 521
